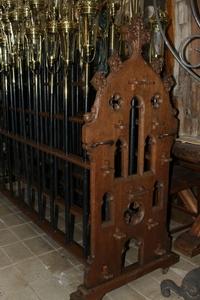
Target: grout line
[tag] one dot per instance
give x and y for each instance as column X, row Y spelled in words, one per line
column 22, row 241
column 35, row 292
column 42, row 235
column 14, row 264
column 34, row 256
column 13, row 226
column 188, row 261
column 54, row 247
column 156, row 280
column 5, row 253
column 8, row 214
column 138, row 292
column 18, row 238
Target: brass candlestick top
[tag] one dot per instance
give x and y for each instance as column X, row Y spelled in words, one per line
column 89, row 7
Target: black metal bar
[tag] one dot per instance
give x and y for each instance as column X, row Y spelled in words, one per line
column 8, row 143
column 41, row 171
column 67, row 169
column 23, row 132
column 37, row 139
column 30, row 133
column 51, row 143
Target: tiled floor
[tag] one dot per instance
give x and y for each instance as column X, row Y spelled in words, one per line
column 34, row 267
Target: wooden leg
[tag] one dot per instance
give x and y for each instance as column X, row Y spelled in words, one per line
column 189, row 200
column 188, row 242
column 195, row 230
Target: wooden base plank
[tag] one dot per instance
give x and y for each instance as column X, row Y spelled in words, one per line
column 98, row 292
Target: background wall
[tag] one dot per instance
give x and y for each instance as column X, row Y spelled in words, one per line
column 187, row 90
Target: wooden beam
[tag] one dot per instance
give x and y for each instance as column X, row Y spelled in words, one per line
column 189, row 200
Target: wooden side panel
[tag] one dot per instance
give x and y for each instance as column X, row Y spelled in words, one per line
column 138, row 200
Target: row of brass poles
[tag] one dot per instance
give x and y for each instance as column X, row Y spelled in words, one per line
column 49, row 51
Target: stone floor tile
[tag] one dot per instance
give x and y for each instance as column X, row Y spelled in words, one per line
column 7, row 237
column 38, row 245
column 12, row 220
column 52, row 242
column 37, row 228
column 24, row 217
column 148, row 288
column 54, row 274
column 24, row 294
column 3, row 199
column 80, row 267
column 55, row 262
column 196, row 260
column 183, row 267
column 2, row 224
column 17, row 252
column 33, row 269
column 125, row 292
column 107, row 297
column 4, row 259
column 12, row 207
column 4, row 210
column 11, row 281
column 49, row 289
column 69, row 277
column 24, row 231
column 68, row 256
column 159, row 276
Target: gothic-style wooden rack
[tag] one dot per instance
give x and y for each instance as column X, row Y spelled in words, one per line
column 119, row 183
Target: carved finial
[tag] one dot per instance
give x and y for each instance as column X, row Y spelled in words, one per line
column 114, row 62
column 157, row 65
column 169, row 82
column 136, row 34
column 98, row 81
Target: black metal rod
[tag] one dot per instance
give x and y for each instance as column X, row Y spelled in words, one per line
column 23, row 117
column 37, row 139
column 16, row 146
column 51, row 140
column 55, row 145
column 30, row 133
column 195, row 11
column 41, row 155
column 8, row 143
column 67, row 168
